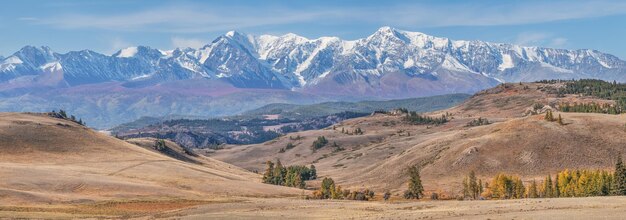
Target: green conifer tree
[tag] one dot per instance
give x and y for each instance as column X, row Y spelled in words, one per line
column 619, row 179
column 416, row 190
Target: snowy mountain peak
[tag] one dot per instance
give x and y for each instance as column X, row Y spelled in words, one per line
column 386, row 29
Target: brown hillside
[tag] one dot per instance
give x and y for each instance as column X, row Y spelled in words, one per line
column 45, row 159
column 517, row 142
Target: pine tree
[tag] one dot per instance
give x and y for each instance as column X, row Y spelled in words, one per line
column 328, row 188
column 466, row 189
column 547, row 187
column 312, row 173
column 557, row 189
column 532, row 190
column 619, row 179
column 62, row 113
column 520, row 190
column 268, row 176
column 279, row 174
column 560, row 120
column 473, row 185
column 416, row 190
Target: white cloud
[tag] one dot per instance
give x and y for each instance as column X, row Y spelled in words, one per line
column 179, row 42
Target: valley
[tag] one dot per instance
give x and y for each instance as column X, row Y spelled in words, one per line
column 270, row 121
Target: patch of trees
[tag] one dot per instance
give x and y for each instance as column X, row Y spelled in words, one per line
column 159, row 144
column 567, row 183
column 595, row 88
column 291, row 176
column 590, row 108
column 505, row 186
column 295, row 138
column 62, row 114
column 337, row 148
column 417, row 119
column 478, row 122
column 550, row 117
column 472, row 188
column 329, row 190
column 356, row 131
column 319, row 143
column 286, row 148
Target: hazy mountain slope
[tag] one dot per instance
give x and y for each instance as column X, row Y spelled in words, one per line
column 424, row 104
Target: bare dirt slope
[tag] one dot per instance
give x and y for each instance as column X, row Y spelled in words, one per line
column 45, row 160
column 517, row 142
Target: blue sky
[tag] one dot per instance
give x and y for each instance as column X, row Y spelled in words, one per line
column 107, row 26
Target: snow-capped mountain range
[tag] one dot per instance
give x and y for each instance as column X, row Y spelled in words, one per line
column 388, row 64
column 294, row 62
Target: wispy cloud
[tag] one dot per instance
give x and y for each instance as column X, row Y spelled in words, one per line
column 558, row 42
column 185, row 19
column 179, row 42
column 27, row 19
column 194, row 18
column 532, row 38
column 117, row 44
column 473, row 13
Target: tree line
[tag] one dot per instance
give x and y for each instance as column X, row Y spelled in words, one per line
column 62, row 114
column 329, row 190
column 478, row 122
column 590, row 108
column 595, row 88
column 417, row 119
column 566, row 183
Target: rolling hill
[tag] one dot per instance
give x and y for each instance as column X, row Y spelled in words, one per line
column 46, row 160
column 518, row 140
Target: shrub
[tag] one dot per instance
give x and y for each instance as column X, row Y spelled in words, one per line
column 387, row 195
column 434, row 196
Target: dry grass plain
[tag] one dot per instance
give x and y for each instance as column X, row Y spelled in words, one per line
column 561, row 208
column 292, row 208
